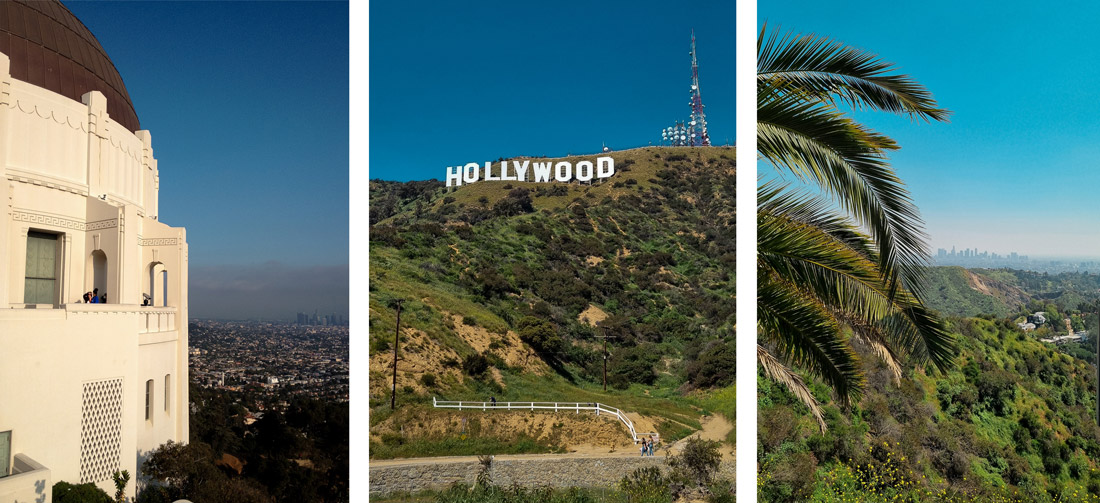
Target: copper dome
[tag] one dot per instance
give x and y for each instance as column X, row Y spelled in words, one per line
column 50, row 48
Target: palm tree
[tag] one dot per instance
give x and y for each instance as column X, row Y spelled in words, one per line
column 852, row 257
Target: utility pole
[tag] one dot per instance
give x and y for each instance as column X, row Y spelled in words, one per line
column 605, row 355
column 396, row 339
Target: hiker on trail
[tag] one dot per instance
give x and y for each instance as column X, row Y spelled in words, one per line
column 493, row 401
column 643, row 448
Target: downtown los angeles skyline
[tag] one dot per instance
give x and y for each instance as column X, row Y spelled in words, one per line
column 247, row 103
column 474, row 83
column 1010, row 169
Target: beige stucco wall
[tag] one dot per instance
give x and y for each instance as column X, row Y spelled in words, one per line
column 66, row 168
column 48, row 355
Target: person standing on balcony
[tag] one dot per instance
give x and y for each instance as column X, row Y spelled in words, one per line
column 95, row 296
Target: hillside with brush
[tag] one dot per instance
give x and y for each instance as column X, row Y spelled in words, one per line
column 1013, row 420
column 956, row 291
column 510, row 289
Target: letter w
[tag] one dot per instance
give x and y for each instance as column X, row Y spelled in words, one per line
column 542, row 171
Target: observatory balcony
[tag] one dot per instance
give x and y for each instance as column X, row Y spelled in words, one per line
column 152, row 324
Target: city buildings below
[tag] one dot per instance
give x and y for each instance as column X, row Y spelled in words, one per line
column 270, row 362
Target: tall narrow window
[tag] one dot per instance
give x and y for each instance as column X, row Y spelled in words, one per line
column 40, row 286
column 5, row 453
column 149, row 400
column 167, row 390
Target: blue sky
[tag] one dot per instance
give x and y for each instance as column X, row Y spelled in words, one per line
column 247, row 103
column 453, row 82
column 1014, row 169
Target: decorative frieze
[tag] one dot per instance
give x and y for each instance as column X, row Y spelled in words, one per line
column 159, row 242
column 65, row 223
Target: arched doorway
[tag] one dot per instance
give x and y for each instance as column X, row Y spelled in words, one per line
column 98, row 267
column 158, row 284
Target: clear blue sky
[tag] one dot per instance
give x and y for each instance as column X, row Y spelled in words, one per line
column 247, row 103
column 457, row 82
column 1015, row 169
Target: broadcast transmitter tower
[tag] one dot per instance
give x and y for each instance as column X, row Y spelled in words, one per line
column 697, row 127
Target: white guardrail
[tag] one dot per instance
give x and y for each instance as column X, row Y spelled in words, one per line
column 577, row 407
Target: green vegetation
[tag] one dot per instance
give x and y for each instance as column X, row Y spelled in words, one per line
column 955, row 291
column 860, row 266
column 543, row 272
column 298, row 451
column 64, row 492
column 1013, row 421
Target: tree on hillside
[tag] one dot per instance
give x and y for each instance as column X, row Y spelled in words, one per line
column 540, row 334
column 188, row 471
column 855, row 258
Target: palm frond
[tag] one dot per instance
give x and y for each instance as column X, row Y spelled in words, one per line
column 778, row 372
column 806, row 336
column 828, row 69
column 830, row 264
column 847, row 161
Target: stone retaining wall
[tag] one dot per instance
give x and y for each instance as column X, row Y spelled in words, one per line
column 547, row 471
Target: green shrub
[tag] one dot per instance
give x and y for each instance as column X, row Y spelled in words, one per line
column 64, row 492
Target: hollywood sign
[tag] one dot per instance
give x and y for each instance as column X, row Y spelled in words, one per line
column 541, row 172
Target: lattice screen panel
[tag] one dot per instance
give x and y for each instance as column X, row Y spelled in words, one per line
column 101, row 430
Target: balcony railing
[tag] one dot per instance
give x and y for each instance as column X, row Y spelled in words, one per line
column 149, row 319
column 157, row 319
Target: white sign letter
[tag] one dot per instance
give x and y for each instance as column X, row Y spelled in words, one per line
column 605, row 167
column 504, row 171
column 521, row 170
column 489, row 172
column 567, row 175
column 542, row 171
column 586, row 174
column 471, row 172
column 454, row 176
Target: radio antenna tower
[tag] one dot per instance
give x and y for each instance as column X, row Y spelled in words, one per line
column 698, row 124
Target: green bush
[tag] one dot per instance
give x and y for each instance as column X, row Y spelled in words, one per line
column 64, row 492
column 475, row 365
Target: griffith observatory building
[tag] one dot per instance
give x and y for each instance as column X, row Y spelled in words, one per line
column 85, row 388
